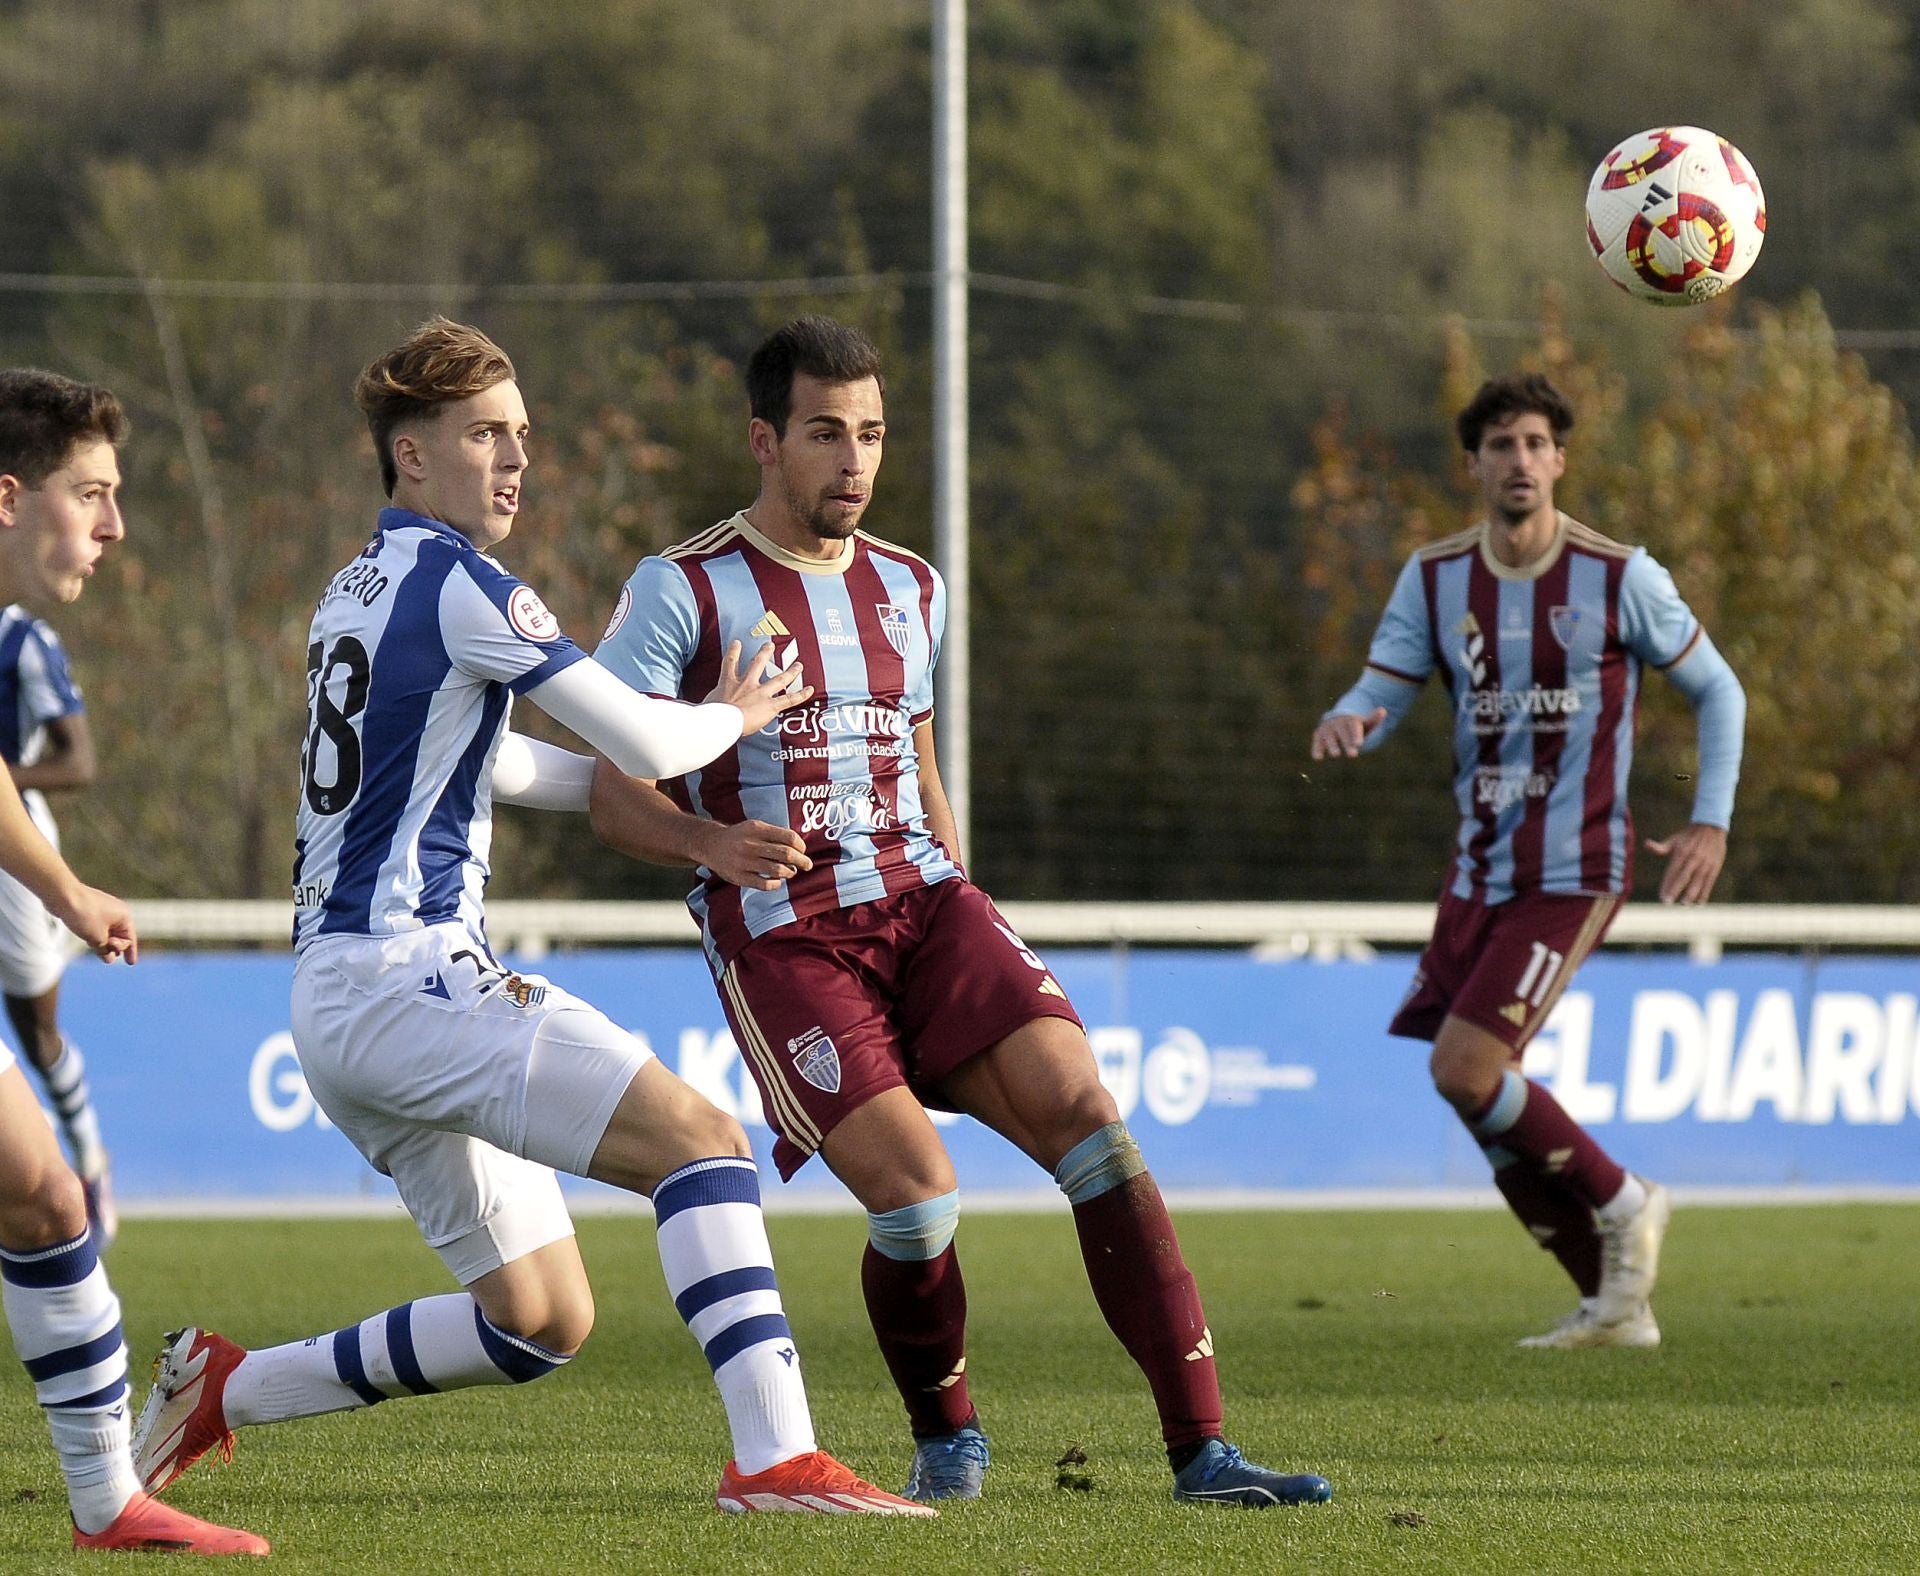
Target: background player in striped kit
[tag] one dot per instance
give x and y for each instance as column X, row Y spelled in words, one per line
column 59, row 511
column 862, row 973
column 470, row 1085
column 47, row 744
column 1539, row 627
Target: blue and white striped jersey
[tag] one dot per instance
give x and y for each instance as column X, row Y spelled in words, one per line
column 415, row 653
column 36, row 687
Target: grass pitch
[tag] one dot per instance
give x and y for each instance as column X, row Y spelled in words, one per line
column 1778, row 1428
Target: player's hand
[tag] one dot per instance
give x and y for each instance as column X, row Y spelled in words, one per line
column 1343, row 733
column 1694, row 857
column 101, row 920
column 760, row 696
column 753, row 854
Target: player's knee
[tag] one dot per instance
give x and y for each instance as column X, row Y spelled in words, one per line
column 49, row 1208
column 556, row 1317
column 1463, row 1080
column 916, row 1232
column 568, row 1324
column 712, row 1132
column 1081, row 1111
column 1103, row 1160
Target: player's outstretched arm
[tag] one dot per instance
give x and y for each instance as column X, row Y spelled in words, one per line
column 635, row 818
column 1343, row 734
column 101, row 920
column 648, row 737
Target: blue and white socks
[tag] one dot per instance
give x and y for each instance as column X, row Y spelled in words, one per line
column 66, row 1082
column 719, row 1269
column 66, row 1327
column 419, row 1348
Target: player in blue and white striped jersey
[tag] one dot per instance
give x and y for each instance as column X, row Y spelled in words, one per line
column 46, row 744
column 468, row 1084
column 59, row 511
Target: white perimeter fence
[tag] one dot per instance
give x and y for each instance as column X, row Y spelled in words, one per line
column 1275, row 930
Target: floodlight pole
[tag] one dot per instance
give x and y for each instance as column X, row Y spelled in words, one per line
column 954, row 680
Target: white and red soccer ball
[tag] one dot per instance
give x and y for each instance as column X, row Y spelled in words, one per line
column 1675, row 215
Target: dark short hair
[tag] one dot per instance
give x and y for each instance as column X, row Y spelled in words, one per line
column 817, row 346
column 44, row 416
column 1517, row 394
column 439, row 362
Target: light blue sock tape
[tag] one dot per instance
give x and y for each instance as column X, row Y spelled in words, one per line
column 1506, row 1107
column 1099, row 1163
column 916, row 1231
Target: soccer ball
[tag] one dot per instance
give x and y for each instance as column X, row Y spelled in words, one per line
column 1675, row 215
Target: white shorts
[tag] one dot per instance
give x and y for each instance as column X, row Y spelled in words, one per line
column 34, row 946
column 467, row 1085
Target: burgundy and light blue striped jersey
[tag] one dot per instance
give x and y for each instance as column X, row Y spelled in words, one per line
column 1543, row 667
column 842, row 770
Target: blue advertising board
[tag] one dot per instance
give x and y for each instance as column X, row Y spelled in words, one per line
column 1235, row 1074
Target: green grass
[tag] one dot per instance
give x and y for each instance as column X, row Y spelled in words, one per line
column 1778, row 1428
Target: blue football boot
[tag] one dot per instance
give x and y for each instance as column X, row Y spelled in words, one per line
column 1220, row 1475
column 948, row 1466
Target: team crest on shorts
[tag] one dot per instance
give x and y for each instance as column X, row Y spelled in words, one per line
column 896, row 625
column 523, row 993
column 816, row 1060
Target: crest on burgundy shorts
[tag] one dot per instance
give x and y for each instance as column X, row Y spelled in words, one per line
column 816, row 1060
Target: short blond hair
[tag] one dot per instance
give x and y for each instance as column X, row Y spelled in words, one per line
column 439, row 362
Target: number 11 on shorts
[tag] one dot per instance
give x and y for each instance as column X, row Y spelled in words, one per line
column 1542, row 968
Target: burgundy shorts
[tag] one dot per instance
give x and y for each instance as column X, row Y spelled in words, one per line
column 1501, row 966
column 836, row 1008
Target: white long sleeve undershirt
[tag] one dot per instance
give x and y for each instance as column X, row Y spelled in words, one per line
column 642, row 735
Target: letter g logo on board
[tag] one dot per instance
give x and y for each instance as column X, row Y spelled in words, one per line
column 277, row 1089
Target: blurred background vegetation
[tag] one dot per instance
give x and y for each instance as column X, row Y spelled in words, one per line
column 1237, row 263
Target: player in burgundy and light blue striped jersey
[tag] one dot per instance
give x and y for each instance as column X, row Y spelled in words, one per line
column 1539, row 629
column 864, row 976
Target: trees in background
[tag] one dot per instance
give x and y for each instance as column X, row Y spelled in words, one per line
column 1239, row 262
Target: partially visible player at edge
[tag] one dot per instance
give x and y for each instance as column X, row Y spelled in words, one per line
column 863, row 975
column 467, row 1084
column 47, row 745
column 59, row 511
column 1539, row 627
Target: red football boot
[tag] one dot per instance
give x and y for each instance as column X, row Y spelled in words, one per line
column 183, row 1417
column 148, row 1527
column 811, row 1484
